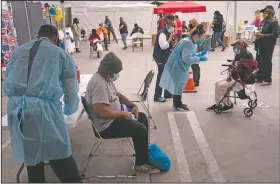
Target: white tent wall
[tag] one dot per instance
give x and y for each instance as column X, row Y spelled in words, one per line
column 131, row 13
column 245, row 10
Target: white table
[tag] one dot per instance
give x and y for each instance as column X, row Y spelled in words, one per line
column 71, row 121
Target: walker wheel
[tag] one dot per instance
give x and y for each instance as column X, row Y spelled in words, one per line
column 218, row 109
column 252, row 104
column 248, row 112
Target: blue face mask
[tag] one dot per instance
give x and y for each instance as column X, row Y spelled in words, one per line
column 199, row 43
column 236, row 51
column 115, row 77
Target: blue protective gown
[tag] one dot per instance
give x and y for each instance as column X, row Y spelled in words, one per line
column 176, row 71
column 42, row 134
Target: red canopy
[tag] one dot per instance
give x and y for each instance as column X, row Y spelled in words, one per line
column 184, row 7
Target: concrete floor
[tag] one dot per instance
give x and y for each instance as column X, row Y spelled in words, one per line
column 202, row 146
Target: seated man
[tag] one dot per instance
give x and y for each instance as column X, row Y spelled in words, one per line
column 93, row 42
column 137, row 29
column 104, row 104
column 222, row 85
column 103, row 30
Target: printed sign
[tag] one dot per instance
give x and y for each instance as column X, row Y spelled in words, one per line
column 79, row 10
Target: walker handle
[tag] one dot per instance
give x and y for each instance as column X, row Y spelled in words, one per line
column 226, row 65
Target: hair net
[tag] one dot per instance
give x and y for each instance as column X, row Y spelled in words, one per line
column 110, row 64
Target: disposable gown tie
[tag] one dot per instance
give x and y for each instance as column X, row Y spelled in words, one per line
column 35, row 115
column 176, row 71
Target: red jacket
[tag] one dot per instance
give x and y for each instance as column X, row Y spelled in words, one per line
column 160, row 24
column 91, row 38
column 178, row 27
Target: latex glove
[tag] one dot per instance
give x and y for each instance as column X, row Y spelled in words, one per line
column 204, row 52
column 203, row 58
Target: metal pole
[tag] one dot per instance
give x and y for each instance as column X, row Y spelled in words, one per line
column 63, row 23
column 235, row 22
column 27, row 19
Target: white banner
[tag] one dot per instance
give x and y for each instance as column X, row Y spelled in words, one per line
column 79, row 10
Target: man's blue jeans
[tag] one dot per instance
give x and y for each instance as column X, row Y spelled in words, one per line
column 124, row 35
column 217, row 38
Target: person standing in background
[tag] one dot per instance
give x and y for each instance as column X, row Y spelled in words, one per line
column 257, row 20
column 162, row 49
column 103, row 30
column 178, row 29
column 266, row 39
column 123, row 31
column 195, row 67
column 223, row 31
column 110, row 29
column 77, row 31
column 184, row 27
column 217, row 26
column 160, row 23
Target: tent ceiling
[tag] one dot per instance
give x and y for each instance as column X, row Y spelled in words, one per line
column 124, row 5
column 182, row 6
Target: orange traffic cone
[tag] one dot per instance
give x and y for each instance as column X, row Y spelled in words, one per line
column 189, row 88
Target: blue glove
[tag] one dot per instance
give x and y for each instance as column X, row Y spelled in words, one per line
column 204, row 52
column 203, row 58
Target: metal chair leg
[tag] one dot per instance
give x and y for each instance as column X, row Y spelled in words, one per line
column 94, row 150
column 149, row 114
column 19, row 172
column 235, row 101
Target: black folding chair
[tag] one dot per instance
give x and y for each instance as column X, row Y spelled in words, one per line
column 97, row 144
column 141, row 97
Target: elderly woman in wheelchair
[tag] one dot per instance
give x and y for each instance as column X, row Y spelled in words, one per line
column 241, row 73
column 95, row 43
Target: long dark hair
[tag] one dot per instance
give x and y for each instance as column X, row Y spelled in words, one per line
column 93, row 32
column 198, row 30
column 169, row 19
column 122, row 21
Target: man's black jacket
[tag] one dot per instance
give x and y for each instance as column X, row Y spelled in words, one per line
column 137, row 30
column 218, row 23
column 270, row 30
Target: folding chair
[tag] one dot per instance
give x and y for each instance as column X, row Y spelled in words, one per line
column 97, row 144
column 141, row 97
column 138, row 39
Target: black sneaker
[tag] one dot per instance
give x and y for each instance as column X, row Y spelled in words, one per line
column 226, row 108
column 124, row 48
column 212, row 50
column 185, row 107
column 196, row 84
column 211, row 108
column 223, row 49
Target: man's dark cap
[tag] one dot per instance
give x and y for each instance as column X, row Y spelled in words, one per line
column 267, row 7
column 110, row 64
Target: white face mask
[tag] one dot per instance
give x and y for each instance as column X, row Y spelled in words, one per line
column 170, row 29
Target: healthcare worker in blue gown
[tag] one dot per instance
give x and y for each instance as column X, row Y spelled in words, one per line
column 176, row 70
column 39, row 73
